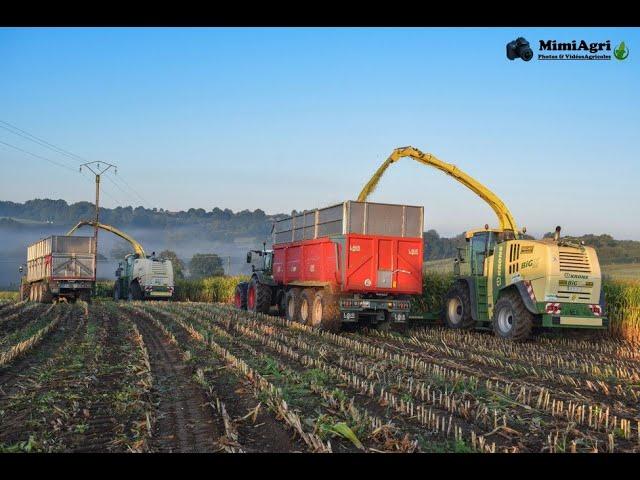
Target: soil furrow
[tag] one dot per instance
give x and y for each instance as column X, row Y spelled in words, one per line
column 184, row 421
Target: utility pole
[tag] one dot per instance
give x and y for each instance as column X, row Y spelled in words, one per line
column 98, row 168
column 229, row 265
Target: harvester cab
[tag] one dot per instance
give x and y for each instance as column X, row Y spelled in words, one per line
column 139, row 276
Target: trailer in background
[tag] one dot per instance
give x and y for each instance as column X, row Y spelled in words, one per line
column 347, row 263
column 60, row 266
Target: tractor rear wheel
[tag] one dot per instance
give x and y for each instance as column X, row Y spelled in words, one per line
column 240, row 295
column 292, row 304
column 511, row 319
column 258, row 297
column 324, row 311
column 457, row 307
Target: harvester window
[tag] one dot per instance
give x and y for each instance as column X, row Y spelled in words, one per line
column 479, row 244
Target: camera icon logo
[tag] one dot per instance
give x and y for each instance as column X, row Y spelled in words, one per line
column 519, row 48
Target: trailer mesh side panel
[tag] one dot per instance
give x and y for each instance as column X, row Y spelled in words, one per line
column 351, row 217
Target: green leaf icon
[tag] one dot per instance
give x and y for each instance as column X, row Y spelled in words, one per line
column 621, row 52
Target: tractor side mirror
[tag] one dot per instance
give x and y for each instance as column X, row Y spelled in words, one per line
column 248, row 257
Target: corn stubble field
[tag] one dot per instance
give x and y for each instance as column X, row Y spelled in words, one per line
column 182, row 377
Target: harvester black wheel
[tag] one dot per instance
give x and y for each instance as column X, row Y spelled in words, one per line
column 240, row 295
column 511, row 319
column 457, row 307
column 135, row 292
column 258, row 297
column 324, row 311
column 292, row 304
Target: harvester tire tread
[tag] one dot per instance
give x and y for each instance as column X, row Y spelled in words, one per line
column 135, row 292
column 459, row 291
column 522, row 318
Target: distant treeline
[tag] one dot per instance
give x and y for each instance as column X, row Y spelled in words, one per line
column 226, row 225
column 221, row 223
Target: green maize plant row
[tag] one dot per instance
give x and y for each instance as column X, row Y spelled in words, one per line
column 209, row 289
column 623, row 308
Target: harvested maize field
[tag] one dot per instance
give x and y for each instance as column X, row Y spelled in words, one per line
column 200, row 377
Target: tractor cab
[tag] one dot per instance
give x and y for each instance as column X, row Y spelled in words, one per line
column 265, row 262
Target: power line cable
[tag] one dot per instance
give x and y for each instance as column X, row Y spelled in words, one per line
column 119, row 187
column 29, row 136
column 126, row 184
column 33, row 138
column 39, row 156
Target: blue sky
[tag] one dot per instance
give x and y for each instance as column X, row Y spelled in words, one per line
column 284, row 119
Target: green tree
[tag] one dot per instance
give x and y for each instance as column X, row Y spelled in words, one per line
column 206, row 265
column 178, row 265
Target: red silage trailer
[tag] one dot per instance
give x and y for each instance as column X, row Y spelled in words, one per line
column 351, row 262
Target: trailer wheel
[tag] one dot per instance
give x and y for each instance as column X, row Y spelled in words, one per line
column 457, row 307
column 85, row 296
column 324, row 311
column 240, row 295
column 511, row 319
column 292, row 304
column 47, row 296
column 281, row 303
column 306, row 306
column 25, row 292
column 258, row 297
